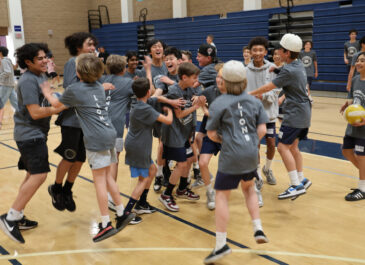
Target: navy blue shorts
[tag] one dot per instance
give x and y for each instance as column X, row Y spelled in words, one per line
column 203, row 124
column 309, row 80
column 229, row 182
column 287, row 135
column 33, row 156
column 210, row 147
column 357, row 144
column 72, row 146
column 270, row 130
column 178, row 154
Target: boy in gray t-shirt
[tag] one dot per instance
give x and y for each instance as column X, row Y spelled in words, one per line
column 353, row 147
column 351, row 47
column 352, row 63
column 297, row 113
column 138, row 144
column 237, row 121
column 30, row 134
column 88, row 99
column 309, row 59
column 176, row 137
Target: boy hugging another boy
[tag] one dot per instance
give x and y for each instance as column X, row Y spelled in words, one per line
column 88, row 99
column 176, row 138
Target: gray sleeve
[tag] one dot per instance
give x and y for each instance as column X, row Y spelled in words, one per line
column 282, row 79
column 314, row 56
column 261, row 115
column 354, row 58
column 148, row 116
column 173, row 93
column 214, row 119
column 68, row 98
column 8, row 68
column 69, row 74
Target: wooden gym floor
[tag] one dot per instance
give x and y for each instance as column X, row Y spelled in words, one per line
column 317, row 228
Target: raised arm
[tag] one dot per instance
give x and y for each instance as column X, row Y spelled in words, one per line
column 47, row 92
column 167, row 119
column 265, row 88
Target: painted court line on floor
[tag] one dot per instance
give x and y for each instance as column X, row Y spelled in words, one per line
column 243, row 251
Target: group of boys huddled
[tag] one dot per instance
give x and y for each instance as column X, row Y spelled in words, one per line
column 240, row 105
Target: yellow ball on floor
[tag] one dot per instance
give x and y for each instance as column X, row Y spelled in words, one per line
column 354, row 113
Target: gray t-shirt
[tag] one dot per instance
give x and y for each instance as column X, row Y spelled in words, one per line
column 297, row 107
column 308, row 59
column 137, row 72
column 68, row 116
column 29, row 92
column 156, row 72
column 176, row 134
column 357, row 92
column 159, row 84
column 138, row 143
column 89, row 102
column 210, row 93
column 207, row 75
column 118, row 100
column 237, row 118
column 351, row 49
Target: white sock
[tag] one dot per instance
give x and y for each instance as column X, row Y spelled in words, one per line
column 120, row 209
column 256, row 225
column 259, row 171
column 196, row 165
column 110, row 198
column 294, row 180
column 362, row 185
column 209, row 187
column 159, row 170
column 105, row 220
column 220, row 240
column 300, row 176
column 13, row 215
column 268, row 164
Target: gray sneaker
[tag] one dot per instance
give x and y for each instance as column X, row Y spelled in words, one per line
column 269, row 176
column 198, row 183
column 259, row 197
column 211, row 200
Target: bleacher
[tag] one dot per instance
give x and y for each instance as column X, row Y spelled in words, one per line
column 331, row 23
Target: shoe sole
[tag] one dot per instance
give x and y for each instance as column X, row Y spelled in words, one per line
column 292, row 196
column 143, row 211
column 261, row 240
column 217, row 257
column 126, row 222
column 167, row 207
column 6, row 231
column 308, row 185
column 187, row 198
column 27, row 227
column 106, row 236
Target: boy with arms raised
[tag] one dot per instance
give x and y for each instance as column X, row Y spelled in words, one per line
column 297, row 113
column 30, row 133
column 238, row 122
column 88, row 98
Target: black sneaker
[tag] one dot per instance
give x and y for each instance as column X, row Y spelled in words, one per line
column 260, row 237
column 26, row 224
column 11, row 229
column 216, row 255
column 136, row 220
column 123, row 221
column 356, row 195
column 69, row 201
column 158, row 183
column 143, row 207
column 57, row 198
column 104, row 233
column 197, row 173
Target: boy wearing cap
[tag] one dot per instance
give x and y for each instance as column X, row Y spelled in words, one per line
column 238, row 122
column 297, row 113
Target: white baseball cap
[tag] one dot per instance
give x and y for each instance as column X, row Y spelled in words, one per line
column 234, row 71
column 291, row 42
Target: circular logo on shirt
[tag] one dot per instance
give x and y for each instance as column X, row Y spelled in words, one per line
column 351, row 51
column 307, row 61
column 156, row 79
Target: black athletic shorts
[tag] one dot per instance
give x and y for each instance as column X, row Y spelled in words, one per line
column 33, row 156
column 72, row 147
column 225, row 181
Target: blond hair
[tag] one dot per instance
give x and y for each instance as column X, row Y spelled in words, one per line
column 235, row 88
column 115, row 64
column 89, row 67
column 218, row 66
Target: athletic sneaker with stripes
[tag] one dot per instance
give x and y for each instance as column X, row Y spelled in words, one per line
column 356, row 195
column 187, row 194
column 11, row 229
column 26, row 224
column 217, row 254
column 104, row 233
column 143, row 207
column 292, row 191
column 169, row 202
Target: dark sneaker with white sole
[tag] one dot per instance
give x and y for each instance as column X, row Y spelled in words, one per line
column 217, row 254
column 143, row 207
column 57, row 198
column 11, row 229
column 26, row 224
column 260, row 237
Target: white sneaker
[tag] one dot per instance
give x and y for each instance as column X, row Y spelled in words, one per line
column 259, row 197
column 211, row 200
column 292, row 191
